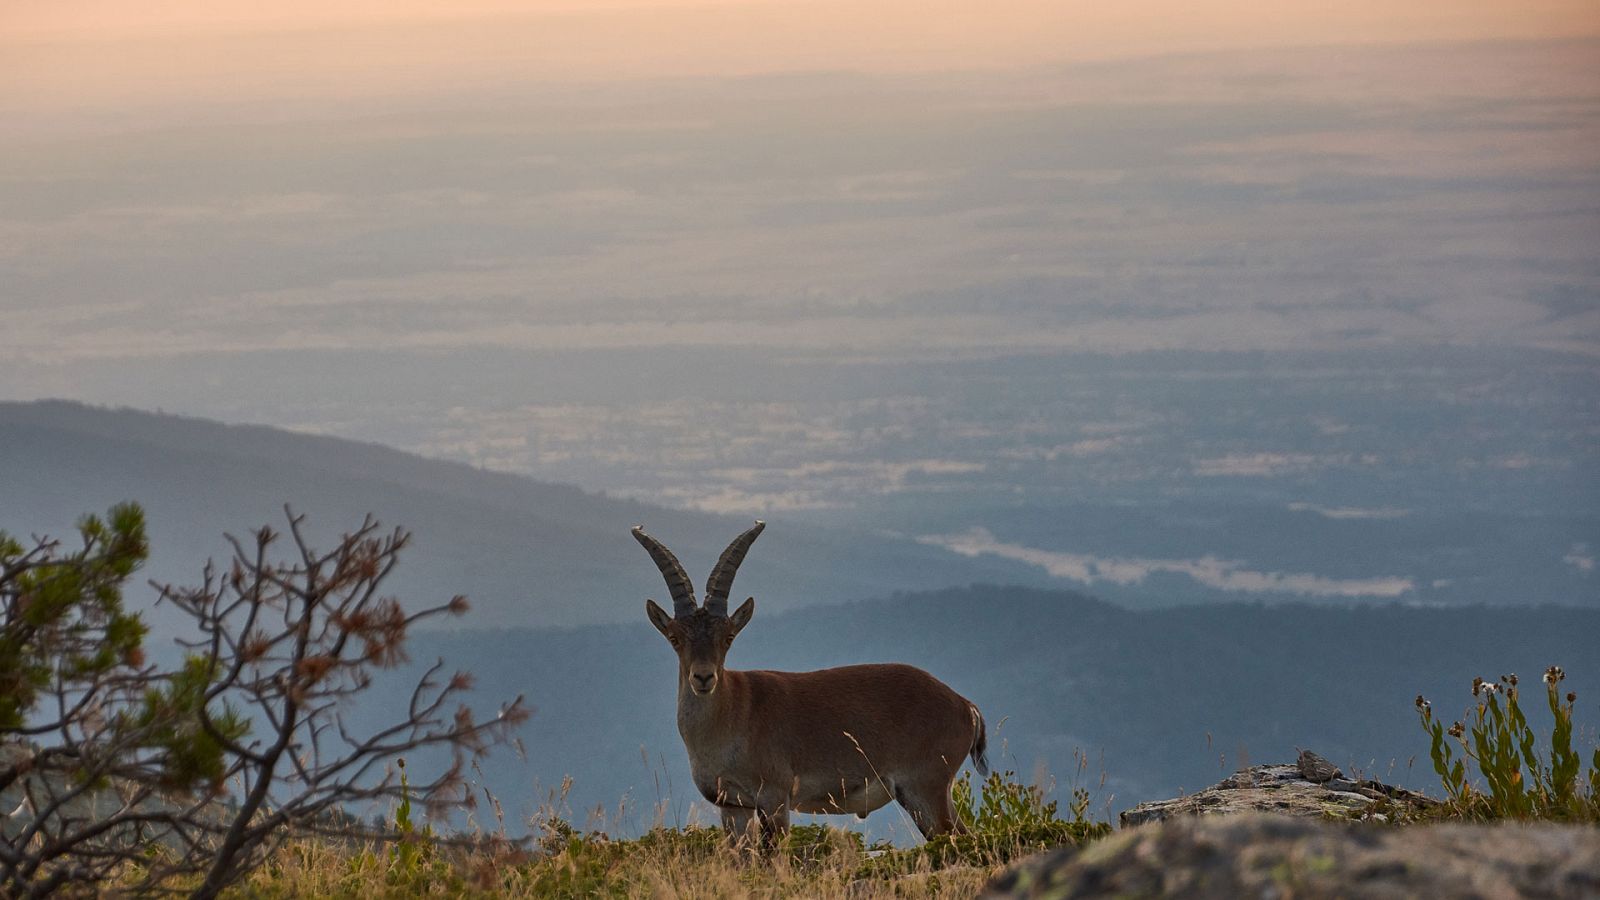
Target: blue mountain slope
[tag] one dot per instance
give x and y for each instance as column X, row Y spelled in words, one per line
column 527, row 553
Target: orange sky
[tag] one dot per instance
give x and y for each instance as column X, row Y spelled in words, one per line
column 1148, row 22
column 144, row 53
column 777, row 34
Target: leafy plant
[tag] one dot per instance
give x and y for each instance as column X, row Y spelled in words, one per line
column 1519, row 779
column 575, row 863
column 170, row 719
column 62, row 621
column 810, row 844
column 411, row 847
column 1005, row 819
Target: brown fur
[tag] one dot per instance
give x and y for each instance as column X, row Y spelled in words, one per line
column 763, row 744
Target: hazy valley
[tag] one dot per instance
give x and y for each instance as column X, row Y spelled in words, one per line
column 1159, row 699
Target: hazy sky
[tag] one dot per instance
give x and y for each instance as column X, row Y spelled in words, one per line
column 74, row 56
column 1265, row 200
column 874, row 34
column 872, row 180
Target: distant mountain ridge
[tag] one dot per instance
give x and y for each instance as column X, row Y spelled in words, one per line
column 527, row 553
column 279, row 445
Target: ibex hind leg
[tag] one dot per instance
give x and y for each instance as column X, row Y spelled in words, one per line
column 774, row 826
column 740, row 826
column 930, row 807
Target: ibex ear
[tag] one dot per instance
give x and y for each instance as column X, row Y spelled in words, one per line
column 658, row 617
column 741, row 616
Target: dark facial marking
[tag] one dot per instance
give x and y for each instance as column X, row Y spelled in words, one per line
column 704, row 633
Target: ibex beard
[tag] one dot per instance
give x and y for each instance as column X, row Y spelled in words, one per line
column 766, row 744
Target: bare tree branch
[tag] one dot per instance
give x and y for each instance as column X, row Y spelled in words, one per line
column 138, row 758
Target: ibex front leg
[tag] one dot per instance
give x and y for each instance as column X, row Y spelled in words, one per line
column 754, row 828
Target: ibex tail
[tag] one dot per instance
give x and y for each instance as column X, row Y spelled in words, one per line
column 980, row 743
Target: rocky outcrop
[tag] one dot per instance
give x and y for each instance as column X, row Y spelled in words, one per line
column 1256, row 854
column 1287, row 790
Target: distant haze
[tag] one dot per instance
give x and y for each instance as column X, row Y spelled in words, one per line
column 1170, row 302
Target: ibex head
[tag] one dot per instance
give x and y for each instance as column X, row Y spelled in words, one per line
column 700, row 635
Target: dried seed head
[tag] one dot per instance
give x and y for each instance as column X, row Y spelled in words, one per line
column 1572, row 696
column 313, row 668
column 254, row 646
column 1457, row 730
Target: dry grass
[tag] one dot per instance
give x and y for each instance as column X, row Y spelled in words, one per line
column 665, row 864
column 1005, row 820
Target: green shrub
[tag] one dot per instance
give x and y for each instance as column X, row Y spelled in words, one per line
column 63, row 622
column 169, row 718
column 808, row 844
column 573, row 863
column 1004, row 819
column 1519, row 778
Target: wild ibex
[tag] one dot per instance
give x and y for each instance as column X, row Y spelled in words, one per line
column 847, row 740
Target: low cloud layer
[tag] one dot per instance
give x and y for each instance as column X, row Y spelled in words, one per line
column 1221, row 574
column 1351, row 512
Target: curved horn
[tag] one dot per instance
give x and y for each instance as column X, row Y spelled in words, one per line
column 721, row 580
column 677, row 580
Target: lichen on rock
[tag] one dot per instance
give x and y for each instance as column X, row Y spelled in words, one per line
column 1254, row 854
column 1286, row 790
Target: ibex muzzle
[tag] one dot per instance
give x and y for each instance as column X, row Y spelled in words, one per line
column 845, row 740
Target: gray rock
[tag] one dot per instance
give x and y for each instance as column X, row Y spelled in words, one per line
column 1317, row 769
column 1284, row 790
column 1258, row 855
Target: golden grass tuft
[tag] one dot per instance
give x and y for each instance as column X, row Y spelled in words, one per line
column 691, row 863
